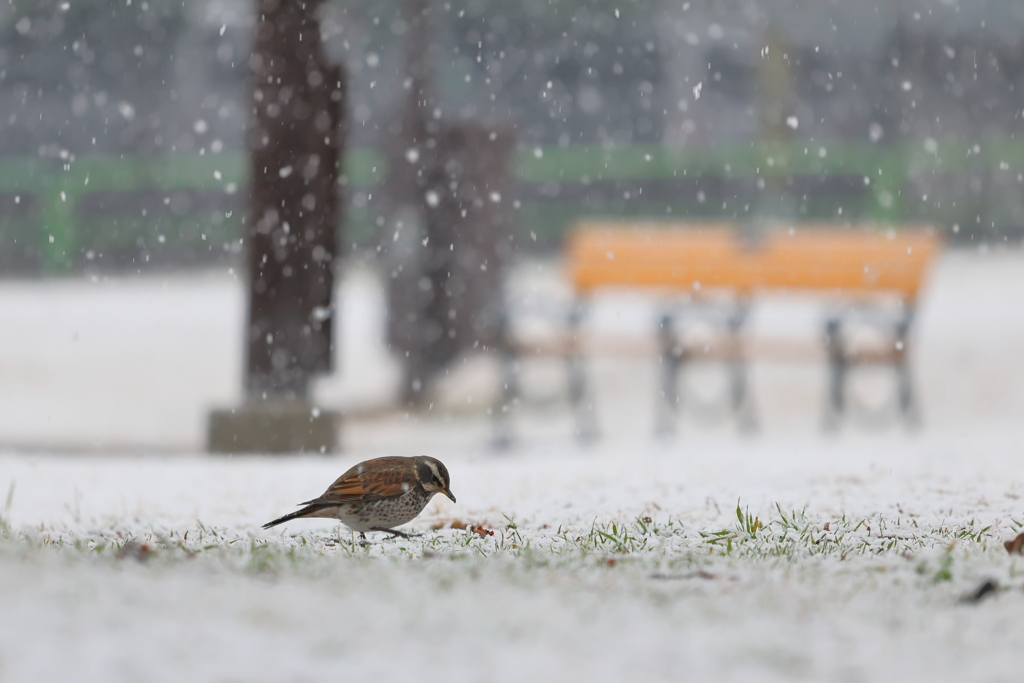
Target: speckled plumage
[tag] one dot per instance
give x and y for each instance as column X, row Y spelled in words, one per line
column 379, row 494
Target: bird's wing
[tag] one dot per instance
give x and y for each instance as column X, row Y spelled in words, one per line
column 387, row 477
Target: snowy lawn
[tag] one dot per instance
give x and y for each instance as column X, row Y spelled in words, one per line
column 134, row 557
column 849, row 560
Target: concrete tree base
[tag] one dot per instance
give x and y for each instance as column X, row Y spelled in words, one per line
column 273, row 427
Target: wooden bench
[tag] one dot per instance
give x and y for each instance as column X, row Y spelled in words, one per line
column 714, row 271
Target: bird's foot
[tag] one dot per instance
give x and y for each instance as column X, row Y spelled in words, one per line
column 393, row 532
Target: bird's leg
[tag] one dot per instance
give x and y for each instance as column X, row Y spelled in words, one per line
column 362, row 536
column 393, row 532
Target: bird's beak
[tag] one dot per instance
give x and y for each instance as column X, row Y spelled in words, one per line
column 448, row 493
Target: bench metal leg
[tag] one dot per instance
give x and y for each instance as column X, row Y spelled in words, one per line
column 670, row 359
column 904, row 381
column 841, row 365
column 504, row 435
column 579, row 391
column 509, row 395
column 742, row 404
column 907, row 403
column 673, row 359
column 835, row 404
column 739, row 385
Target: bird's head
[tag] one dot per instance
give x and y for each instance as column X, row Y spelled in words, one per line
column 433, row 476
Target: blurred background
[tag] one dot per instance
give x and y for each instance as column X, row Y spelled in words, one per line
column 125, row 204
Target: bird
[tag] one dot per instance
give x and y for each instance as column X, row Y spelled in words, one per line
column 378, row 494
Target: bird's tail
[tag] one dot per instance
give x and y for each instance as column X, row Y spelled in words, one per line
column 307, row 511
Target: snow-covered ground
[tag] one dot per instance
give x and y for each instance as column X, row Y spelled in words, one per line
column 135, row 364
column 103, row 393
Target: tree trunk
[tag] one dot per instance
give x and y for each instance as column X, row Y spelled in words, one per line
column 296, row 143
column 447, row 239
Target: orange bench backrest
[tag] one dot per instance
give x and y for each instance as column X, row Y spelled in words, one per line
column 712, row 256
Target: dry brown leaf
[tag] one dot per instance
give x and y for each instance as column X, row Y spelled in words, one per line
column 134, row 551
column 449, row 524
column 480, row 531
column 1015, row 545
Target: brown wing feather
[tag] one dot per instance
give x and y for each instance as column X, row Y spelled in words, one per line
column 370, row 480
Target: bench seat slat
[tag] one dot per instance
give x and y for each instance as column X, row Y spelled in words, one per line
column 844, row 260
